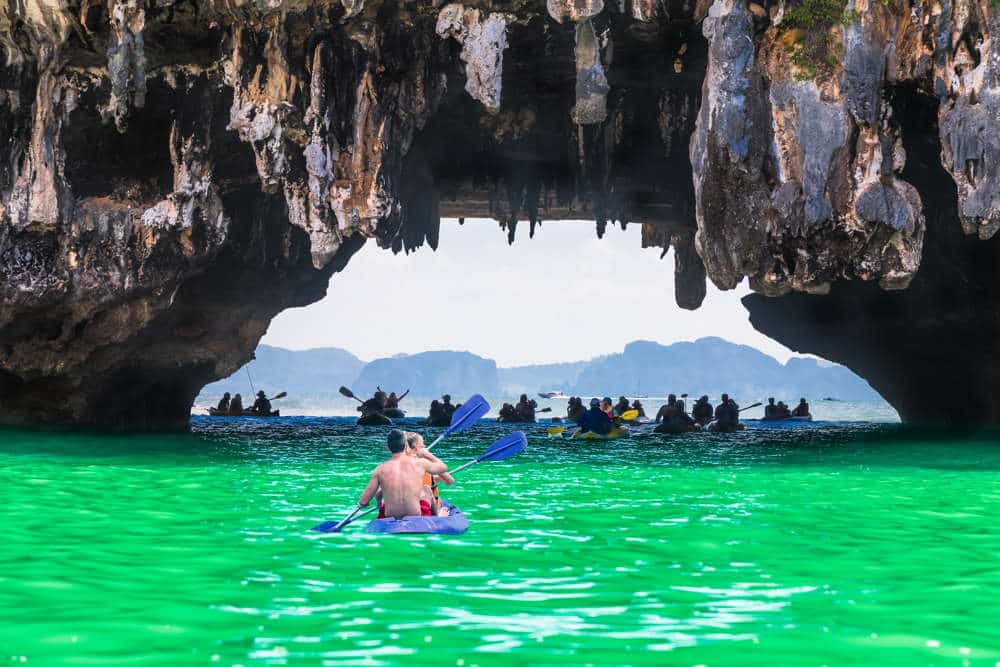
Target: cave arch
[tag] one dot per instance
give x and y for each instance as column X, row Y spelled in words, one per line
column 283, row 136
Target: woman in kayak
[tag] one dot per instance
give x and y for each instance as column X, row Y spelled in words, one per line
column 417, row 448
column 392, row 401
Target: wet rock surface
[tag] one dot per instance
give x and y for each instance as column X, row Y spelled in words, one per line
column 172, row 175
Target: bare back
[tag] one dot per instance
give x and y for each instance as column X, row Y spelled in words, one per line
column 402, row 481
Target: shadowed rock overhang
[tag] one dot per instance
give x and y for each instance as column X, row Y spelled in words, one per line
column 174, row 174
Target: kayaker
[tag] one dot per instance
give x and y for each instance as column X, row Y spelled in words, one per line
column 236, row 406
column 575, row 409
column 223, row 407
column 727, row 413
column 401, row 481
column 668, row 411
column 702, row 411
column 607, row 409
column 674, row 417
column 636, row 405
column 782, row 411
column 802, row 409
column 508, row 413
column 446, row 405
column 392, row 401
column 525, row 409
column 261, row 406
column 373, row 405
column 622, row 406
column 595, row 419
column 437, row 413
column 770, row 410
column 418, row 448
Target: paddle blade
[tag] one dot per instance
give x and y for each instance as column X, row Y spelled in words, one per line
column 468, row 414
column 344, row 391
column 281, row 395
column 545, row 410
column 556, row 430
column 512, row 445
column 629, row 415
column 328, row 527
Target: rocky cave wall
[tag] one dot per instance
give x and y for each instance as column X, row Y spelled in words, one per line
column 175, row 173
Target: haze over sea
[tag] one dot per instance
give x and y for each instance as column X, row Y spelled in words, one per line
column 831, row 543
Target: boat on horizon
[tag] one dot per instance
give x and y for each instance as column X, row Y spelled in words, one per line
column 551, row 394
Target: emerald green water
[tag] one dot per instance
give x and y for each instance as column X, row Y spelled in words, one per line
column 836, row 544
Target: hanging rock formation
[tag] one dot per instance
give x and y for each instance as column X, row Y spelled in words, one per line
column 174, row 174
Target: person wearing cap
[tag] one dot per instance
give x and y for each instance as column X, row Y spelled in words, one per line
column 802, row 409
column 400, row 480
column 417, row 447
column 262, row 406
column 595, row 419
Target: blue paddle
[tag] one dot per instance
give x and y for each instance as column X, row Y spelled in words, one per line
column 465, row 416
column 506, row 447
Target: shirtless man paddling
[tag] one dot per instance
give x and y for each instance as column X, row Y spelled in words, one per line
column 401, row 481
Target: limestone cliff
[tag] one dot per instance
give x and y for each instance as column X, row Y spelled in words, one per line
column 174, row 173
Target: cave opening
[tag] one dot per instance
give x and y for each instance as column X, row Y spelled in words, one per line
column 556, row 301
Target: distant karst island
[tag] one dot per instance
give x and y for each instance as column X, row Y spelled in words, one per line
column 644, row 368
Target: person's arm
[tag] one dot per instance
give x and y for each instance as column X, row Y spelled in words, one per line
column 436, row 467
column 430, row 458
column 370, row 490
column 404, row 395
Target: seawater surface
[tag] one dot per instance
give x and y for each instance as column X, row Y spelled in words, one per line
column 833, row 543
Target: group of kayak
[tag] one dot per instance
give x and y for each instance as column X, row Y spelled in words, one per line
column 406, row 486
column 382, row 408
column 780, row 412
column 606, row 421
column 233, row 406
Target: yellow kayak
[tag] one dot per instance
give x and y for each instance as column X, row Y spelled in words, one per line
column 614, row 434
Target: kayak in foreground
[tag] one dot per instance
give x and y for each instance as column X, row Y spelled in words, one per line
column 455, row 523
column 613, row 434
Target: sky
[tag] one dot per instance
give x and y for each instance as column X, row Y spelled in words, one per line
column 563, row 296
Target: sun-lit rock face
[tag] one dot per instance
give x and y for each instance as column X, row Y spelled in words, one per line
column 815, row 157
column 172, row 174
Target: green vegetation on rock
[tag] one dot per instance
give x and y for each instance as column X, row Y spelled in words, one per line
column 817, row 49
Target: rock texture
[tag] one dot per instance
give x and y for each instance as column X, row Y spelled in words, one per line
column 173, row 174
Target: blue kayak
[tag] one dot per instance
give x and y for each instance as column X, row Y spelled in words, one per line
column 455, row 523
